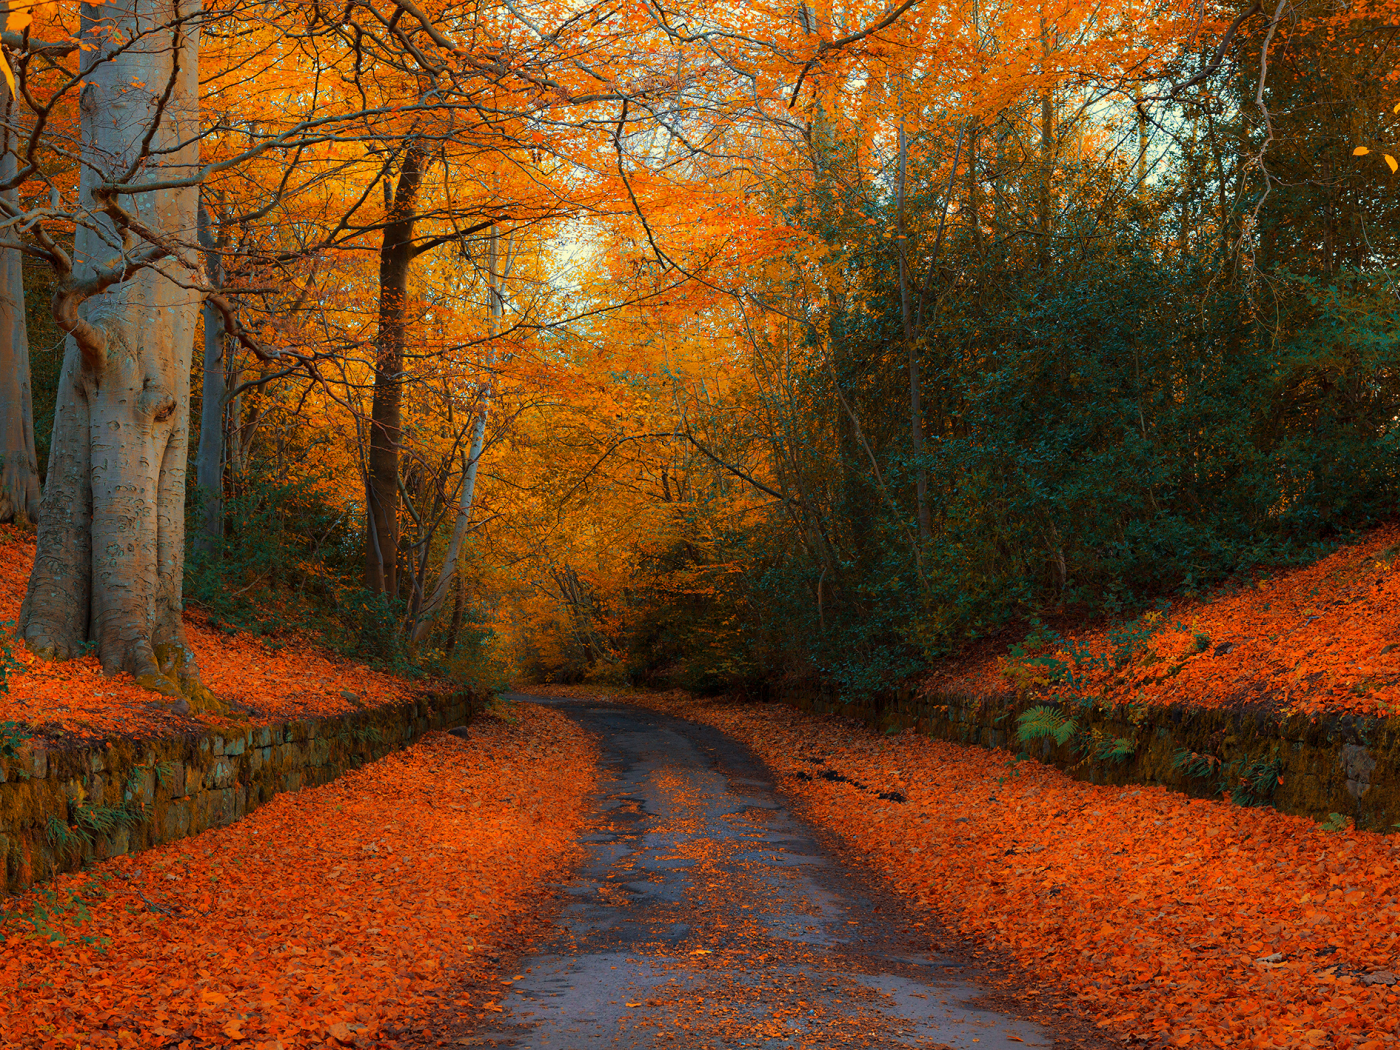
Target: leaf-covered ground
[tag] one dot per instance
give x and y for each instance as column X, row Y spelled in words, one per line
column 74, row 698
column 342, row 915
column 1172, row 921
column 1325, row 637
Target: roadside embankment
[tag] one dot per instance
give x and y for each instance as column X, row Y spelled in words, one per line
column 372, row 910
column 1172, row 921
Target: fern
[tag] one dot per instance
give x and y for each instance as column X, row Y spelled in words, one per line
column 1119, row 749
column 1038, row 723
column 1256, row 783
column 63, row 838
column 103, row 820
column 1195, row 764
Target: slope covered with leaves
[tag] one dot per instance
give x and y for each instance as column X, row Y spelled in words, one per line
column 334, row 916
column 1171, row 921
column 1324, row 637
column 292, row 678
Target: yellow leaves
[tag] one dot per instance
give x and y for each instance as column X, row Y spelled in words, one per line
column 18, row 21
column 1391, row 162
column 9, row 76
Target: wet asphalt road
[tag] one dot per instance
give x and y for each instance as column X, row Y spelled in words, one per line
column 707, row 916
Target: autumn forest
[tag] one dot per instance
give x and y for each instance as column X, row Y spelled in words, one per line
column 443, row 440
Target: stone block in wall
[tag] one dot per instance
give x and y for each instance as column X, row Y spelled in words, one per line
column 176, row 824
column 223, row 807
column 221, row 774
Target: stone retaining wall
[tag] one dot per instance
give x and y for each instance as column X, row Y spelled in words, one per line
column 124, row 796
column 1336, row 764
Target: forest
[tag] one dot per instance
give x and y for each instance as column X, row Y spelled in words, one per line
column 703, row 347
column 1022, row 375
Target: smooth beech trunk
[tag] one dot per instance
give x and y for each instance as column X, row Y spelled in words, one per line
column 112, row 521
column 19, row 467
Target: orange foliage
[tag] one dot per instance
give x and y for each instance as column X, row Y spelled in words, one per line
column 348, row 911
column 1173, row 921
column 1320, row 638
column 297, row 680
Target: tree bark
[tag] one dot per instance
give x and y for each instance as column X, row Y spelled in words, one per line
column 19, row 466
column 386, row 413
column 112, row 521
column 209, row 467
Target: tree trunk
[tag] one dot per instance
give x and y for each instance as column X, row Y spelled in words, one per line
column 386, row 414
column 209, row 467
column 458, row 608
column 19, row 467
column 112, row 521
column 470, row 462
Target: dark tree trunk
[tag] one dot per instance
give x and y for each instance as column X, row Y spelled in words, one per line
column 386, row 414
column 209, row 467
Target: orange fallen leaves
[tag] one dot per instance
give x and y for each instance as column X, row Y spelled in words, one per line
column 342, row 912
column 1323, row 638
column 297, row 680
column 1176, row 921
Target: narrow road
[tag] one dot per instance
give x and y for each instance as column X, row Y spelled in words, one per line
column 708, row 916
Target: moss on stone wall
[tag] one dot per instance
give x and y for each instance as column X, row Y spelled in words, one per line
column 1313, row 766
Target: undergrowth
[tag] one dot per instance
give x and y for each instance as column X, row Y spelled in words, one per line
column 290, row 561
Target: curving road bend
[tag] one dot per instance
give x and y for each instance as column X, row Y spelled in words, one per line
column 707, row 916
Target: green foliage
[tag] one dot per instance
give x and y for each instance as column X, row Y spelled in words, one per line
column 289, row 560
column 1193, row 764
column 1129, row 424
column 8, row 662
column 1247, row 784
column 1117, row 750
column 1334, row 822
column 1045, row 722
column 86, row 822
column 12, row 738
column 1255, row 783
column 97, row 820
